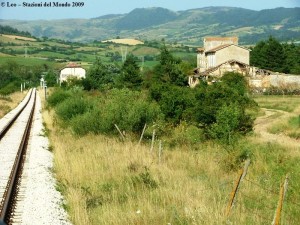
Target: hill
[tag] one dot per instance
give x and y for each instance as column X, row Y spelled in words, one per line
column 12, row 31
column 145, row 17
column 187, row 27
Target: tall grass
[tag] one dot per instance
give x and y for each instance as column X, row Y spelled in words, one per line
column 106, row 181
column 285, row 103
column 9, row 102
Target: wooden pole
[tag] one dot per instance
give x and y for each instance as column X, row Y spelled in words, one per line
column 142, row 134
column 283, row 189
column 122, row 136
column 159, row 152
column 152, row 141
column 242, row 174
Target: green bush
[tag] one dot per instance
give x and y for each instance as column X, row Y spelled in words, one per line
column 57, row 97
column 10, row 88
column 227, row 123
column 89, row 122
column 175, row 102
column 130, row 110
column 185, row 134
column 72, row 107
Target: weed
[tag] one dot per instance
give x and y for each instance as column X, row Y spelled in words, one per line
column 145, row 179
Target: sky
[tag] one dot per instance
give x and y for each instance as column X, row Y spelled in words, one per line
column 14, row 9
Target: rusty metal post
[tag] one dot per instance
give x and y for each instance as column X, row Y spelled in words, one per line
column 233, row 194
column 283, row 189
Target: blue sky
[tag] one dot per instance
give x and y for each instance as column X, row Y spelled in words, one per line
column 95, row 8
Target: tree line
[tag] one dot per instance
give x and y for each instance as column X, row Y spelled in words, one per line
column 275, row 56
column 13, row 31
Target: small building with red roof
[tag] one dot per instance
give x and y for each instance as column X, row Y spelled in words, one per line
column 72, row 70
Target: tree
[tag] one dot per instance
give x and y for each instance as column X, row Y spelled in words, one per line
column 101, row 75
column 169, row 70
column 269, row 55
column 227, row 123
column 275, row 57
column 130, row 74
column 212, row 102
column 292, row 52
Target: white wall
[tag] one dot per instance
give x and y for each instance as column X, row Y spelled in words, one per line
column 233, row 52
column 71, row 72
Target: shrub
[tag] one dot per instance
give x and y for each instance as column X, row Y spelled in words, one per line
column 175, row 102
column 89, row 122
column 10, row 88
column 57, row 97
column 227, row 123
column 185, row 134
column 72, row 107
column 130, row 110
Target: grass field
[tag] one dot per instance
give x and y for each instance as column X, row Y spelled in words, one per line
column 106, row 181
column 285, row 103
column 25, row 61
column 16, row 37
column 7, row 103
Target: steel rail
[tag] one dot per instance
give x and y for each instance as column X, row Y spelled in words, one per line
column 11, row 187
column 9, row 124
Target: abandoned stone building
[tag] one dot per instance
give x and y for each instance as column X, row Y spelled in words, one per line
column 223, row 54
column 218, row 55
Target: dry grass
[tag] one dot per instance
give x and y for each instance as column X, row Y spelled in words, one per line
column 112, row 181
column 7, row 103
column 18, row 37
column 125, row 41
column 106, row 181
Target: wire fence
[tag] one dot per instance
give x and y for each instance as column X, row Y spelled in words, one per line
column 268, row 203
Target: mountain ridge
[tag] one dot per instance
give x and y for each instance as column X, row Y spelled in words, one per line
column 185, row 26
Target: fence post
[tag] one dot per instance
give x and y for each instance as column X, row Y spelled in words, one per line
column 152, row 141
column 233, row 194
column 122, row 136
column 283, row 189
column 142, row 133
column 159, row 152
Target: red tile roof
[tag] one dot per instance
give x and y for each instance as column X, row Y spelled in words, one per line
column 73, row 65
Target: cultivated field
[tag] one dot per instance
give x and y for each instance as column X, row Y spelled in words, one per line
column 18, row 37
column 125, row 41
column 25, row 51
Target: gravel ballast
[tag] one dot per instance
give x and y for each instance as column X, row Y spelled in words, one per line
column 39, row 202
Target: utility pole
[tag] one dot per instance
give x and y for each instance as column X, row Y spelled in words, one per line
column 45, row 88
column 124, row 54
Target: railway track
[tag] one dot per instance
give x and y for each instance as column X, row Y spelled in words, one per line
column 14, row 135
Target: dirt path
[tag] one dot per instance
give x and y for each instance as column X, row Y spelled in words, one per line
column 270, row 118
